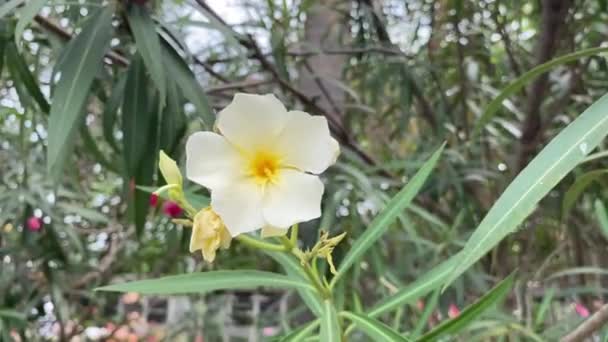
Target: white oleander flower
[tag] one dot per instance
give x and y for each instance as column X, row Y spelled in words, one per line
column 262, row 170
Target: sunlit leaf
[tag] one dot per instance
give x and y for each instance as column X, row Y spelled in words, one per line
column 376, row 330
column 330, row 324
column 520, row 198
column 208, row 281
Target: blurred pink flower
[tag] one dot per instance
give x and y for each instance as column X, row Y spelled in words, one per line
column 453, row 311
column 34, row 224
column 270, row 331
column 172, row 209
column 153, row 200
column 581, row 310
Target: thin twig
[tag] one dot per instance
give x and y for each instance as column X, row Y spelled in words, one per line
column 588, row 327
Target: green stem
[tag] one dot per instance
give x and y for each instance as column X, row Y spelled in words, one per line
column 255, row 243
column 294, row 235
column 313, row 276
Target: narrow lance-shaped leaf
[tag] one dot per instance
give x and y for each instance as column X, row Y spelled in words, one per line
column 9, row 6
column 579, row 186
column 24, row 77
column 26, row 14
column 135, row 116
column 187, row 83
column 376, row 330
column 208, row 281
column 420, row 287
column 110, row 111
column 69, row 99
column 526, row 78
column 558, row 158
column 602, row 216
column 294, row 270
column 472, row 312
column 330, row 324
column 148, row 46
column 301, row 333
column 381, row 223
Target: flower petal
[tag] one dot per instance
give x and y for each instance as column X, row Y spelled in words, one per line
column 296, row 197
column 239, row 205
column 270, row 231
column 251, row 121
column 307, row 144
column 211, row 161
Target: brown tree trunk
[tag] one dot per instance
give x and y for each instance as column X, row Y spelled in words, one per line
column 552, row 21
column 323, row 30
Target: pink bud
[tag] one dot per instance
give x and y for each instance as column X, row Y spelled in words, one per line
column 420, row 304
column 153, row 200
column 34, row 224
column 581, row 310
column 172, row 209
column 453, row 311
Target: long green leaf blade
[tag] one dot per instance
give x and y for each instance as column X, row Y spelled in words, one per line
column 376, row 330
column 67, row 109
column 148, row 46
column 556, row 160
column 524, row 79
column 208, row 281
column 473, row 311
column 301, row 333
column 381, row 223
column 423, row 285
column 9, row 6
column 294, row 270
column 26, row 14
column 330, row 324
column 579, row 186
column 187, row 83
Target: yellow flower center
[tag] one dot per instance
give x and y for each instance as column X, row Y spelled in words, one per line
column 264, row 167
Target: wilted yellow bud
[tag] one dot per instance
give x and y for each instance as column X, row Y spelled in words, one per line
column 209, row 233
column 326, row 247
column 168, row 167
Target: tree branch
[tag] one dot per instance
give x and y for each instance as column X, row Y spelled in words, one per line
column 588, row 327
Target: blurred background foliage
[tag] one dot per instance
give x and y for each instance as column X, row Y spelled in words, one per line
column 90, row 91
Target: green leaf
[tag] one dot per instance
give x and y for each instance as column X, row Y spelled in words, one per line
column 526, row 78
column 520, row 198
column 135, row 116
column 9, row 6
column 376, row 330
column 294, row 270
column 602, row 216
column 187, row 83
column 420, row 287
column 12, row 314
column 429, row 307
column 110, row 111
column 301, row 333
column 87, row 214
column 23, row 76
column 148, row 46
column 472, row 312
column 173, row 124
column 579, row 186
column 69, row 99
column 382, row 222
column 330, row 324
column 26, row 14
column 208, row 281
